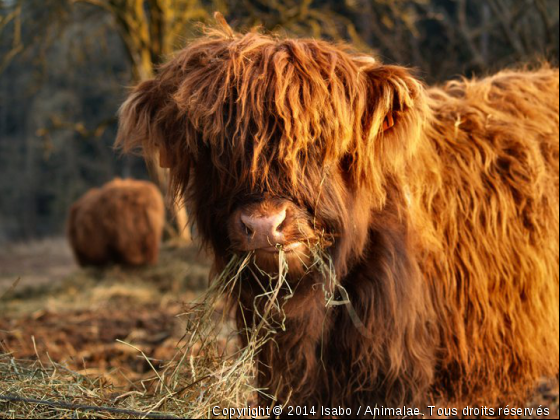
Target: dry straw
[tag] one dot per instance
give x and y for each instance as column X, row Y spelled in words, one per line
column 210, row 370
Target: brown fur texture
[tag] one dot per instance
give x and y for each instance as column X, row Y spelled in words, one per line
column 443, row 229
column 120, row 223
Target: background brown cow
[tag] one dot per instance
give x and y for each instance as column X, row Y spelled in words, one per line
column 120, row 223
column 438, row 208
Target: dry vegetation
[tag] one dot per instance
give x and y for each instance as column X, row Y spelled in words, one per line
column 120, row 343
column 111, row 344
column 133, row 343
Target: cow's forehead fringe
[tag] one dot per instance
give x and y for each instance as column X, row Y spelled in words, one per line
column 260, row 103
column 256, row 100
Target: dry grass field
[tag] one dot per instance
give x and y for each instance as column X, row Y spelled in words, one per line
column 75, row 316
column 96, row 335
column 90, row 343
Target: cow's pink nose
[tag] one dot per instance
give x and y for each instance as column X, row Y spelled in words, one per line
column 264, row 230
column 271, row 225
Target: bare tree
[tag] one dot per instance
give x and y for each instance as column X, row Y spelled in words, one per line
column 149, row 29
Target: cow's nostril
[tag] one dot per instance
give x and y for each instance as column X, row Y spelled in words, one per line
column 281, row 226
column 247, row 229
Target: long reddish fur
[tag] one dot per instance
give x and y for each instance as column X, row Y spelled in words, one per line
column 445, row 226
column 120, row 223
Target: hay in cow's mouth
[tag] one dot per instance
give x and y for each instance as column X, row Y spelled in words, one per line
column 233, row 383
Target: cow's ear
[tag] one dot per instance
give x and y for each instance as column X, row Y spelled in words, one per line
column 395, row 99
column 394, row 116
column 391, row 111
column 148, row 122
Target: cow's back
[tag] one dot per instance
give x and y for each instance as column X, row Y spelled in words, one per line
column 120, row 223
column 492, row 197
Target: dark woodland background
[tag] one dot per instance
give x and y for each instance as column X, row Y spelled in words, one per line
column 65, row 66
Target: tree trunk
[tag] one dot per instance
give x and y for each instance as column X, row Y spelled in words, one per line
column 143, row 33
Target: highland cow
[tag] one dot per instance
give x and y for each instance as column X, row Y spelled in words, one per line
column 120, row 223
column 438, row 208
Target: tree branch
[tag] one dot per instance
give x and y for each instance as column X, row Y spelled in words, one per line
column 81, row 407
column 17, row 45
column 504, row 17
column 478, row 57
column 99, row 3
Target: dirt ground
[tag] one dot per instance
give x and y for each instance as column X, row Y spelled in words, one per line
column 82, row 318
column 57, row 311
column 38, row 263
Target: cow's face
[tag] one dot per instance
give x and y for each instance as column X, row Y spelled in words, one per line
column 277, row 145
column 301, row 221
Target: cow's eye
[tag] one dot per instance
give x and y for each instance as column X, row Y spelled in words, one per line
column 346, row 163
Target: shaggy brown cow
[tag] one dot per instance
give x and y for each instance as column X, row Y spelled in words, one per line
column 437, row 206
column 121, row 223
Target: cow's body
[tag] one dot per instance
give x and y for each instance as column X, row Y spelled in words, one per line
column 120, row 223
column 438, row 208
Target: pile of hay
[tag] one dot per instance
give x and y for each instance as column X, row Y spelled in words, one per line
column 187, row 388
column 210, row 370
column 204, row 374
column 31, row 390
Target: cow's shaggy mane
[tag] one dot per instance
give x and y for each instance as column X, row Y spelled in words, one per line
column 438, row 206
